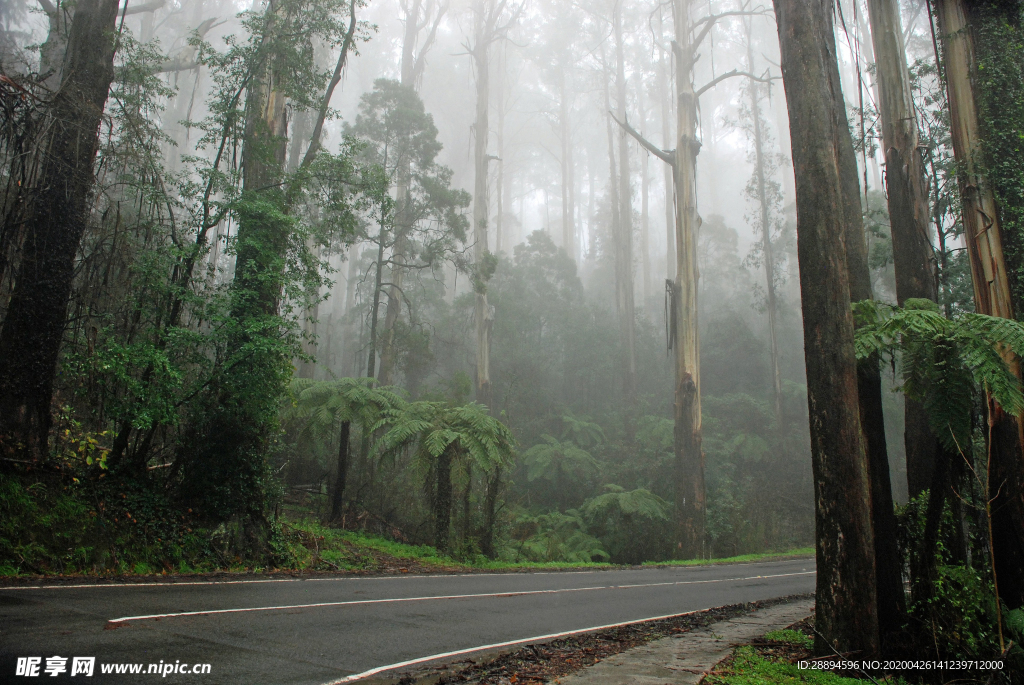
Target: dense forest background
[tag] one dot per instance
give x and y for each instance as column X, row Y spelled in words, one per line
column 411, row 267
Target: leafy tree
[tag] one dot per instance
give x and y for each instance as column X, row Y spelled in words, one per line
column 555, row 537
column 443, row 435
column 560, row 463
column 418, row 219
column 633, row 525
column 328, row 408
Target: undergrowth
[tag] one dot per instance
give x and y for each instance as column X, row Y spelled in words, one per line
column 61, row 525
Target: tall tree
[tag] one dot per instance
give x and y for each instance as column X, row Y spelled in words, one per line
column 690, row 496
column 420, row 15
column 223, row 461
column 622, row 238
column 907, row 195
column 983, row 235
column 845, row 597
column 55, row 213
column 492, row 20
column 890, row 600
column 766, row 194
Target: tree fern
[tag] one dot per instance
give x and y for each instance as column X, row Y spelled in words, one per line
column 945, row 362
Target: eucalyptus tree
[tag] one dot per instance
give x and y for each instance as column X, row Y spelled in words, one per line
column 492, row 20
column 224, row 469
column 420, row 226
column 907, row 195
column 986, row 239
column 766, row 193
column 53, row 210
column 419, row 15
column 690, row 499
column 622, row 238
column 846, row 582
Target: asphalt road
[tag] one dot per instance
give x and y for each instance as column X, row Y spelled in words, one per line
column 323, row 630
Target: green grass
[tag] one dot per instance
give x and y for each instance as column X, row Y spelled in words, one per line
column 791, row 637
column 748, row 668
column 763, row 556
column 343, row 548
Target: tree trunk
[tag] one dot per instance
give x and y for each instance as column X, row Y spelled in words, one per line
column 338, row 497
column 891, row 602
column 913, row 256
column 482, row 310
column 767, row 249
column 983, row 236
column 847, row 614
column 665, row 93
column 491, row 512
column 565, row 135
column 55, row 218
column 371, row 363
column 645, row 209
column 443, row 501
column 689, row 454
column 624, row 238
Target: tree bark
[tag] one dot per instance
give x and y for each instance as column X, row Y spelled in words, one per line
column 689, row 454
column 55, row 218
column 443, row 501
column 338, row 497
column 485, row 19
column 767, row 249
column 891, row 602
column 623, row 238
column 913, row 257
column 568, row 199
column 847, row 614
column 491, row 512
column 983, row 236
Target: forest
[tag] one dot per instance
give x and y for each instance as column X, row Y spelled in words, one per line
column 523, row 282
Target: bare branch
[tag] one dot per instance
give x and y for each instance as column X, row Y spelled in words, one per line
column 712, row 19
column 48, row 6
column 187, row 58
column 735, row 72
column 314, row 141
column 150, row 6
column 420, row 62
column 667, row 156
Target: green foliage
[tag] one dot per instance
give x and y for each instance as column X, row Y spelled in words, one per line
column 319, row 407
column 944, row 361
column 436, row 427
column 999, row 32
column 553, row 537
column 558, row 462
column 632, row 525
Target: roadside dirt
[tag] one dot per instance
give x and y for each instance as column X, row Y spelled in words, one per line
column 540, row 663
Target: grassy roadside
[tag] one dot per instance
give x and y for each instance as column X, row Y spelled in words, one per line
column 305, row 545
column 312, row 544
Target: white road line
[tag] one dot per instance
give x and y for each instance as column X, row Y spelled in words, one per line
column 498, row 645
column 125, row 619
